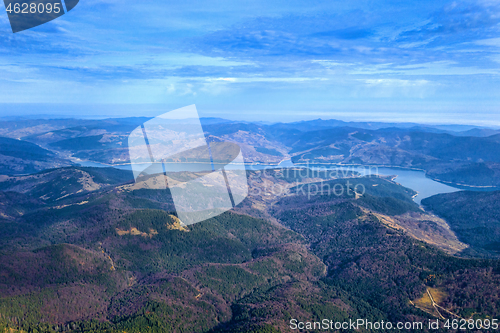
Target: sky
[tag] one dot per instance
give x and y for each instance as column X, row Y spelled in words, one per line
column 420, row 61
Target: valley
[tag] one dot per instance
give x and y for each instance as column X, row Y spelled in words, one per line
column 85, row 249
column 447, row 154
column 233, row 272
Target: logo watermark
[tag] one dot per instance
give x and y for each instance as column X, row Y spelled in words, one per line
column 311, row 180
column 204, row 179
column 27, row 14
column 455, row 324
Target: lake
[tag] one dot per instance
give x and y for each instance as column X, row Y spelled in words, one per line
column 417, row 181
column 413, row 179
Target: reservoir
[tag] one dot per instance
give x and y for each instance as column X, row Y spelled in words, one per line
column 413, row 179
column 417, row 181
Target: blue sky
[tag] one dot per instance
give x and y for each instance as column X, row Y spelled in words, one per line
column 425, row 61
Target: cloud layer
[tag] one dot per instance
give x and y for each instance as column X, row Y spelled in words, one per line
column 253, row 58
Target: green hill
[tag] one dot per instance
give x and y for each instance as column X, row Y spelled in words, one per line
column 21, row 157
column 474, row 216
column 116, row 258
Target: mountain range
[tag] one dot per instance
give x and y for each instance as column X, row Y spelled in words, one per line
column 86, row 249
column 464, row 156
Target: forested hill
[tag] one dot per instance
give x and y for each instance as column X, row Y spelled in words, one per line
column 474, row 216
column 111, row 256
column 21, row 157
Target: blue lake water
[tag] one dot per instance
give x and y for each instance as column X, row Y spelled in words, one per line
column 417, row 181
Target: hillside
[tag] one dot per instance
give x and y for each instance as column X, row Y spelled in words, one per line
column 380, row 263
column 473, row 216
column 465, row 160
column 118, row 255
column 57, row 184
column 90, row 250
column 21, row 157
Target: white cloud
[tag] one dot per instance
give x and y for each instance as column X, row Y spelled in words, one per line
column 395, row 82
column 489, row 42
column 445, row 67
column 394, row 88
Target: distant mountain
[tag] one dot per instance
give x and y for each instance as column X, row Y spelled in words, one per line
column 24, row 127
column 21, row 157
column 213, row 120
column 457, row 159
column 450, row 153
column 479, row 132
column 318, row 124
column 101, row 141
column 56, row 184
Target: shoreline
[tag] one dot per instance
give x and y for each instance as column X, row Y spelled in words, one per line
column 305, row 165
column 444, row 182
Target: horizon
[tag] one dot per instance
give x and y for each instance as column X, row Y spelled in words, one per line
column 411, row 124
